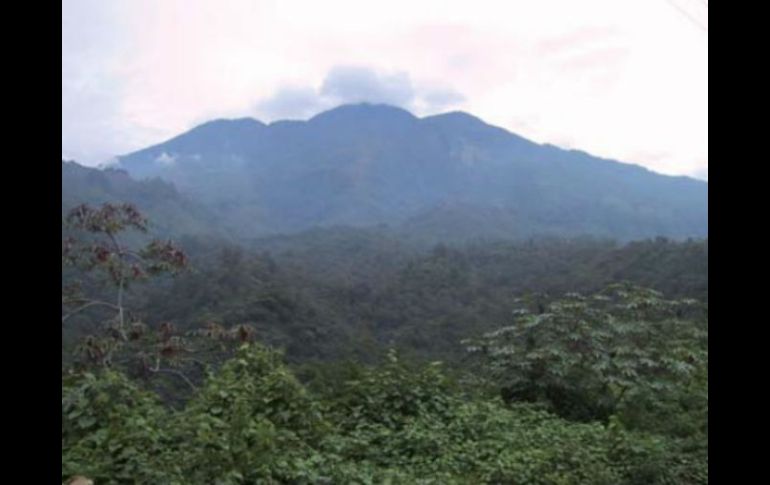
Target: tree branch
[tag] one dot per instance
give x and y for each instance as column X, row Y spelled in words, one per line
column 88, row 304
column 120, row 251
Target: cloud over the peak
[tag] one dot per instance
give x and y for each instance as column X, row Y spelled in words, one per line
column 355, row 84
column 345, row 84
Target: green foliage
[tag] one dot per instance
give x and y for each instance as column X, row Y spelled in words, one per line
column 253, row 422
column 114, row 432
column 610, row 388
column 398, row 418
column 588, row 356
column 329, row 295
column 393, row 395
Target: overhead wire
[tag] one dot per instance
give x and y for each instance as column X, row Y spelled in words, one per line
column 689, row 15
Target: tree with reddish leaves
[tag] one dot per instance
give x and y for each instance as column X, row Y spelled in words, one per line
column 104, row 252
column 139, row 349
column 99, row 248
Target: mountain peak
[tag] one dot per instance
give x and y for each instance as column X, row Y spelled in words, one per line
column 456, row 117
column 229, row 123
column 364, row 111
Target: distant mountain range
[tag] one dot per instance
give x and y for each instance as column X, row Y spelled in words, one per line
column 443, row 177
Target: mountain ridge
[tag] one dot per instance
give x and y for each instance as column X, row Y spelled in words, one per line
column 368, row 164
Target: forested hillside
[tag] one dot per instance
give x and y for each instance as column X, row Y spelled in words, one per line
column 344, row 292
column 172, row 214
column 556, row 368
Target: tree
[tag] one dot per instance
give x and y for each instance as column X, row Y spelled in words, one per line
column 104, row 252
column 587, row 357
column 94, row 246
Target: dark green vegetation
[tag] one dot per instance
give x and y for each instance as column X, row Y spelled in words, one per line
column 253, row 422
column 339, row 293
column 539, row 384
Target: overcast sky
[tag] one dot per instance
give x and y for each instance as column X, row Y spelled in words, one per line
column 623, row 79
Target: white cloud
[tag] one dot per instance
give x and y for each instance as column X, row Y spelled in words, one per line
column 165, row 159
column 355, row 84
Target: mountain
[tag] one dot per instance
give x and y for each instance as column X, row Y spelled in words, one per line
column 170, row 213
column 450, row 175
